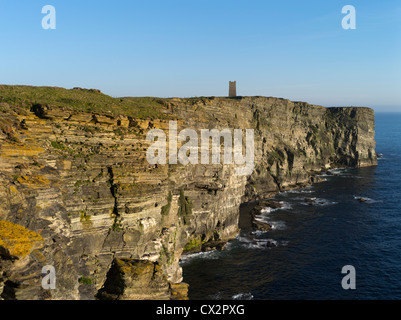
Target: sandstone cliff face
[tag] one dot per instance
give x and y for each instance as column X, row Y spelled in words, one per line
column 82, row 183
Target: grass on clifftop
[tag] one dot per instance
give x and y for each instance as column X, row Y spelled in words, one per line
column 86, row 100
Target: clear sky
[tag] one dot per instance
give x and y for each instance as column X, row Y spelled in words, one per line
column 291, row 49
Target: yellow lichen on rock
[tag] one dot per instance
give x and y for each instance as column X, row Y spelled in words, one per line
column 33, row 180
column 19, row 150
column 18, row 241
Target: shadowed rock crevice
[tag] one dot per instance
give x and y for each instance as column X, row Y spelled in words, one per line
column 113, row 190
column 130, row 279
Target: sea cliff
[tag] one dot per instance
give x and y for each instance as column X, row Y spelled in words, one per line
column 78, row 193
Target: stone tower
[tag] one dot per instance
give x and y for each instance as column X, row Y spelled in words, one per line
column 232, row 92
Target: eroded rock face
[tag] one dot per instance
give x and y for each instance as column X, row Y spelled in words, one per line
column 130, row 279
column 82, row 181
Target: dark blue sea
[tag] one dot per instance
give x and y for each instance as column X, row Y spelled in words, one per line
column 315, row 241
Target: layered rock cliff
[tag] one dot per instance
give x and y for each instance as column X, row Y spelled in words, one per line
column 113, row 225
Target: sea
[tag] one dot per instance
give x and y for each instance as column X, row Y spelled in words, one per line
column 352, row 219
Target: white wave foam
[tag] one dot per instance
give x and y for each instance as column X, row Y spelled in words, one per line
column 337, row 171
column 267, row 242
column 290, row 191
column 258, row 232
column 212, row 255
column 283, row 206
column 261, row 244
column 278, row 225
column 320, row 202
column 307, row 189
column 261, row 218
column 243, row 296
column 299, row 191
column 243, row 239
column 365, row 199
column 266, row 210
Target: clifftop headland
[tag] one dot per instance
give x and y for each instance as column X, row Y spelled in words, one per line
column 75, row 182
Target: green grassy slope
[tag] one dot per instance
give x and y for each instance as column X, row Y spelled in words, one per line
column 87, row 100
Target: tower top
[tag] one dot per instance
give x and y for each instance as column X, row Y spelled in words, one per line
column 232, row 91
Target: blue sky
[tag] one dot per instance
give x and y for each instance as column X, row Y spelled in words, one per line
column 291, row 49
